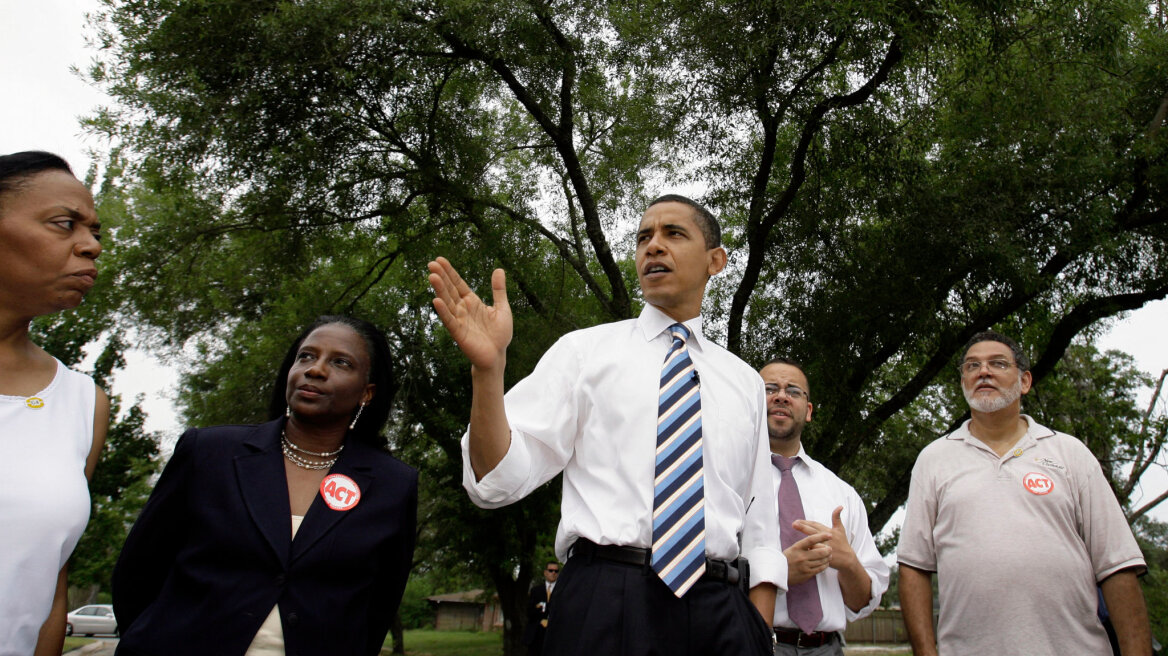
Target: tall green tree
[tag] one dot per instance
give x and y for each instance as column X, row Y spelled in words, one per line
column 893, row 177
column 1153, row 539
column 1094, row 396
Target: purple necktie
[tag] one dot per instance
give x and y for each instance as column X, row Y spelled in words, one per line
column 803, row 605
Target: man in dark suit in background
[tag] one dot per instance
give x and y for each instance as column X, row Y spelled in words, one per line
column 537, row 609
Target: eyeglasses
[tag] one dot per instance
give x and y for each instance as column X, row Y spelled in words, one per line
column 793, row 393
column 971, row 367
column 553, row 571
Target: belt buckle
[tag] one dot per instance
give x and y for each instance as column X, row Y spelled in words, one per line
column 819, row 636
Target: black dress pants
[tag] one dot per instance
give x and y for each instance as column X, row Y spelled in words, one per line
column 605, row 608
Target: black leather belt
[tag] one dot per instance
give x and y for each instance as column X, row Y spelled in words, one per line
column 800, row 639
column 716, row 570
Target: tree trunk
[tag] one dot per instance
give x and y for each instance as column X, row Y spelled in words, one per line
column 512, row 601
column 398, row 633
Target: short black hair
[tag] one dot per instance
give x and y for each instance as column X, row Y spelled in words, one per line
column 1020, row 358
column 376, row 413
column 790, row 362
column 707, row 222
column 17, row 168
column 782, row 360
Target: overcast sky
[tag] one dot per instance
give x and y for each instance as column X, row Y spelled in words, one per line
column 41, row 102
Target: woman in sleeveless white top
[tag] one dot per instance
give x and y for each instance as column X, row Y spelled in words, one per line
column 52, row 420
column 44, row 498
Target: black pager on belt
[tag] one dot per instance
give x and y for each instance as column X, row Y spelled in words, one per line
column 743, row 566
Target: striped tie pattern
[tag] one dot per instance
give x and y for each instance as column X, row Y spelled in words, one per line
column 679, row 518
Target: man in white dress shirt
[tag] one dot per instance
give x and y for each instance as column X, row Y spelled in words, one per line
column 590, row 409
column 832, row 582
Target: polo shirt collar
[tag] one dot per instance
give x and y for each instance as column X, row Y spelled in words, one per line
column 653, row 322
column 1034, row 432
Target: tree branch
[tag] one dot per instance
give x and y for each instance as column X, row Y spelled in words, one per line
column 1085, row 314
column 759, row 236
column 1136, row 514
column 1142, row 462
column 617, row 302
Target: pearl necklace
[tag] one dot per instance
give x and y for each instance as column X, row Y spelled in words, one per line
column 292, row 453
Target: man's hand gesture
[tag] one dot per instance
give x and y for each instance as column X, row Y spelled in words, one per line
column 482, row 332
column 842, row 554
column 807, row 557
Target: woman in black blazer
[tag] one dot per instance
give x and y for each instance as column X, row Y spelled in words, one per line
column 212, row 557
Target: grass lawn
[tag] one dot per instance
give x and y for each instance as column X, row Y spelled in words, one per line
column 427, row 642
column 75, row 643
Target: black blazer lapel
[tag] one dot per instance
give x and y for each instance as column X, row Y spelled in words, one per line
column 264, row 487
column 320, row 518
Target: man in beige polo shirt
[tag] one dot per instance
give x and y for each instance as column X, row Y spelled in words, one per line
column 1020, row 525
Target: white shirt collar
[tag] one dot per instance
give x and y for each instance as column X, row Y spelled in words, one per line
column 803, row 458
column 653, row 322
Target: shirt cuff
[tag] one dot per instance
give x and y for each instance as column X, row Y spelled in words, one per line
column 499, row 486
column 767, row 565
column 873, row 602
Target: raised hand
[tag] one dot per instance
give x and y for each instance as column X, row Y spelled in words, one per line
column 807, row 557
column 842, row 554
column 481, row 331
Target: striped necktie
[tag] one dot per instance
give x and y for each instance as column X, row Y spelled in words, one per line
column 679, row 520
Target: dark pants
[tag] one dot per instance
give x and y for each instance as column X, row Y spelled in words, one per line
column 604, row 607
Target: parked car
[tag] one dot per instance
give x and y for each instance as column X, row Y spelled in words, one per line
column 91, row 620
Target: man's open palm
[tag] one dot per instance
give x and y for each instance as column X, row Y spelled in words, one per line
column 481, row 331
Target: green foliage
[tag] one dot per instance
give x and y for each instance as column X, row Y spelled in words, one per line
column 120, row 487
column 1094, row 396
column 892, row 178
column 415, row 611
column 1153, row 539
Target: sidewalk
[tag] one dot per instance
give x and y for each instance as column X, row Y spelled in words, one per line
column 99, row 648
